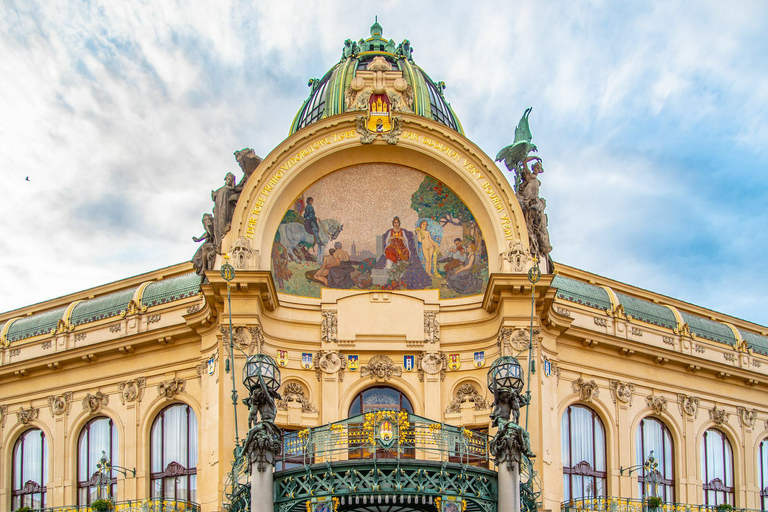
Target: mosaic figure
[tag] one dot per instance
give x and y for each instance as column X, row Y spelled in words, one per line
column 444, row 250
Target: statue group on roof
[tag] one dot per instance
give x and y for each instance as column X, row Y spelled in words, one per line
column 516, row 158
column 217, row 224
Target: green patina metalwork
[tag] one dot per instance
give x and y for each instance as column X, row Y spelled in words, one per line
column 709, row 329
column 328, row 94
column 386, row 477
column 755, row 342
column 646, row 311
column 35, row 325
column 169, row 290
column 389, row 455
column 614, row 504
column 103, row 307
column 147, row 505
column 581, row 293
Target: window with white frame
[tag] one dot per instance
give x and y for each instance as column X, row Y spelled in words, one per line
column 654, row 439
column 717, row 468
column 583, row 452
column 30, row 471
column 98, row 438
column 174, row 454
column 762, row 466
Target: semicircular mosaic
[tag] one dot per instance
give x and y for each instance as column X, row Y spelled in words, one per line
column 379, row 227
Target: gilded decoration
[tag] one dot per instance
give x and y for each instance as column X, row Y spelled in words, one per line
column 431, row 327
column 688, row 405
column 380, row 368
column 466, row 393
column 330, row 327
column 94, row 402
column 330, row 362
column 432, row 363
column 132, row 390
column 747, row 417
column 407, row 231
column 622, row 391
column 293, row 392
column 171, row 388
column 24, row 416
column 60, row 404
column 587, row 390
column 658, row 404
column 719, row 416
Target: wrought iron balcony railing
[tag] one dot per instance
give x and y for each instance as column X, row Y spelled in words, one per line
column 613, row 504
column 147, row 505
column 384, row 435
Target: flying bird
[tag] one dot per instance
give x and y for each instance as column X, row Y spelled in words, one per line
column 27, row 178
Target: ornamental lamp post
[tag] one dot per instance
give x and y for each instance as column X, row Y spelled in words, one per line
column 261, row 368
column 505, row 372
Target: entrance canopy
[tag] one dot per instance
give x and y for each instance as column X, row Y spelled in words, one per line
column 385, row 458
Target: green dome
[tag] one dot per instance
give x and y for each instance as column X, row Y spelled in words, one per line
column 341, row 89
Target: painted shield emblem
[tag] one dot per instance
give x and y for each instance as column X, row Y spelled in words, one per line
column 451, row 504
column 408, row 363
column 379, row 113
column 479, row 359
column 454, row 361
column 547, row 367
column 386, row 431
column 282, row 357
column 353, row 362
column 306, row 360
column 212, row 365
column 323, row 504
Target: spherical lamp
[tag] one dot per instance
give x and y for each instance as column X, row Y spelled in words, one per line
column 505, row 372
column 261, row 366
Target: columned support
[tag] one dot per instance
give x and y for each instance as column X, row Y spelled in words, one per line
column 508, row 446
column 263, row 444
column 261, row 489
column 509, row 487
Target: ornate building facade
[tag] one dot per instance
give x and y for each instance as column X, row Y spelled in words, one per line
column 382, row 259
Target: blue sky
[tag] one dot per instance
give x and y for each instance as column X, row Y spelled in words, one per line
column 650, row 118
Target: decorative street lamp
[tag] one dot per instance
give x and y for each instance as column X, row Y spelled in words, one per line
column 258, row 368
column 105, row 468
column 650, row 469
column 505, row 381
column 505, row 372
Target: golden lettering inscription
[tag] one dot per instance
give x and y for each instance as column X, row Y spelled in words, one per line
column 472, row 170
column 272, row 182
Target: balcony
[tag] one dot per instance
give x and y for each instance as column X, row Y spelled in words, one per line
column 385, row 457
column 148, row 505
column 613, row 504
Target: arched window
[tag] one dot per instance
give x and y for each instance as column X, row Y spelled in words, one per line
column 378, row 398
column 30, row 470
column 174, row 454
column 654, row 438
column 583, row 446
column 99, row 435
column 717, row 468
column 762, row 463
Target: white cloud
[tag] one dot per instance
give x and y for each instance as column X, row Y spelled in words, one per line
column 125, row 117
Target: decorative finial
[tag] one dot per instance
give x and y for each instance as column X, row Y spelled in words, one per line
column 376, row 29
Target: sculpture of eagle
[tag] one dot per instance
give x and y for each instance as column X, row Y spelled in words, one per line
column 515, row 156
